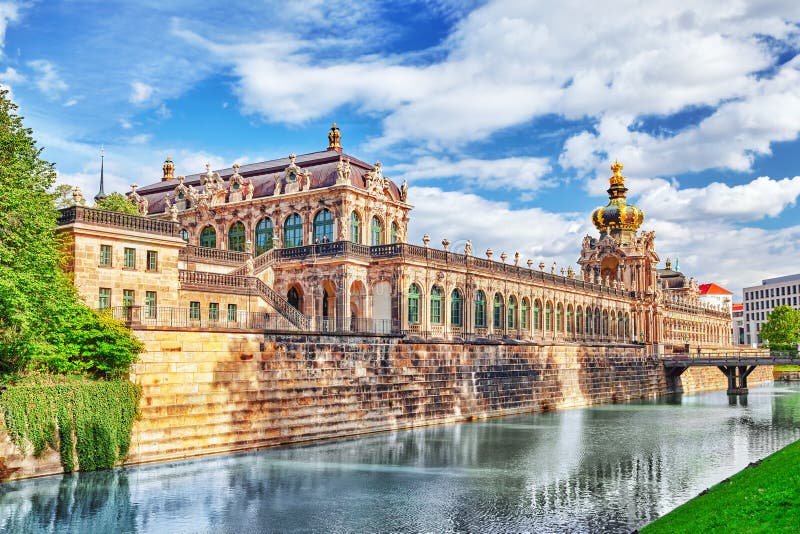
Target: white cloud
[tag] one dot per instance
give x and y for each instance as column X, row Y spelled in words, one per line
column 140, row 139
column 11, row 75
column 47, row 79
column 140, row 92
column 519, row 173
column 547, row 236
column 125, row 124
column 9, row 12
column 729, row 256
column 163, row 111
column 710, row 250
column 760, row 198
column 71, row 102
column 729, row 138
column 510, row 61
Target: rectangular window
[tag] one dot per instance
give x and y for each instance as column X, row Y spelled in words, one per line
column 231, row 312
column 150, row 305
column 105, row 255
column 152, row 260
column 213, row 311
column 128, row 297
column 104, row 301
column 194, row 310
column 130, row 258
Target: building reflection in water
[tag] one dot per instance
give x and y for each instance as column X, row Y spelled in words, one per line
column 611, row 468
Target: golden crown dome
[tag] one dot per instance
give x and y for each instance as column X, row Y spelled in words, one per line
column 618, row 215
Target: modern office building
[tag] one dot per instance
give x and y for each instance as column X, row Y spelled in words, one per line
column 760, row 300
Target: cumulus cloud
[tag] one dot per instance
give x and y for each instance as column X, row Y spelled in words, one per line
column 760, row 198
column 9, row 12
column 534, row 233
column 140, row 92
column 510, row 61
column 733, row 257
column 519, row 173
column 47, row 79
column 710, row 249
column 11, row 75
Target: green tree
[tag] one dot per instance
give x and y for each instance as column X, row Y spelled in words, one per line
column 782, row 329
column 117, row 202
column 43, row 322
column 63, row 196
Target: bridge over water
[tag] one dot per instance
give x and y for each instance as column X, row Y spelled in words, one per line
column 737, row 366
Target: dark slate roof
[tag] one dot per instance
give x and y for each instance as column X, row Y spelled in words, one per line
column 322, row 166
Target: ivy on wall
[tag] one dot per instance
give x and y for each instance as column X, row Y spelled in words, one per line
column 90, row 420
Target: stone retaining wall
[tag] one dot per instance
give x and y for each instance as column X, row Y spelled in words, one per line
column 213, row 392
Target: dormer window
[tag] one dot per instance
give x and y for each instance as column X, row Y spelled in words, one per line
column 292, row 176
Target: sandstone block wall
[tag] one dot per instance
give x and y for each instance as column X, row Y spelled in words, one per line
column 215, row 393
column 211, row 392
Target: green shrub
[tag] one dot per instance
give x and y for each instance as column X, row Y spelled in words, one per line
column 90, row 418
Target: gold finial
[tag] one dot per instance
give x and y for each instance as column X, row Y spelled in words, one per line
column 617, row 178
column 669, row 264
column 169, row 169
column 335, row 139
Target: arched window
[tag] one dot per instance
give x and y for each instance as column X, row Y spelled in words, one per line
column 605, row 323
column 537, row 315
column 620, row 325
column 208, row 237
column 265, row 232
column 293, row 296
column 548, row 317
column 376, row 232
column 185, row 234
column 413, row 304
column 355, row 228
column 498, row 311
column 579, row 320
column 480, row 309
column 456, row 310
column 393, row 233
column 293, row 231
column 559, row 318
column 323, row 226
column 597, row 321
column 436, row 305
column 236, row 237
column 523, row 313
column 627, row 326
column 512, row 312
column 569, row 319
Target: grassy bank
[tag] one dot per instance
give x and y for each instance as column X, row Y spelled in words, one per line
column 787, row 367
column 761, row 498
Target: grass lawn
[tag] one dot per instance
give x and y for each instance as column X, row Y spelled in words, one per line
column 761, row 498
column 787, row 367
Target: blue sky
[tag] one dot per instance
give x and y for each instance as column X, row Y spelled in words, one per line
column 504, row 116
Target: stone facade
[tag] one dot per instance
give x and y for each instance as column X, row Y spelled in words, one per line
column 285, row 304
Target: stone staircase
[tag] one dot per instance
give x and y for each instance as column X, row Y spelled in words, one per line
column 260, row 262
column 235, row 283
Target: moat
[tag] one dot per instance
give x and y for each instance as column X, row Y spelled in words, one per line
column 602, row 469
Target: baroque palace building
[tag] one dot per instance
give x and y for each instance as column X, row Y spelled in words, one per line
column 319, row 243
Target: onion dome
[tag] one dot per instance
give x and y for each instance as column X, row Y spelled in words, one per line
column 618, row 216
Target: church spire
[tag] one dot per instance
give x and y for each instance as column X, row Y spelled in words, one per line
column 101, row 194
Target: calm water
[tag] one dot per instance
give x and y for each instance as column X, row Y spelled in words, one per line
column 609, row 468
